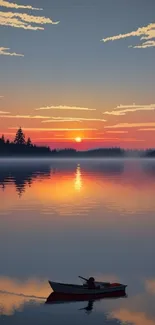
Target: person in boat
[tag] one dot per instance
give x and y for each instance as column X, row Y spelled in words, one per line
column 91, row 283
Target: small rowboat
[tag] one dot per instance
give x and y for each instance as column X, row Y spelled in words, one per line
column 99, row 289
column 58, row 298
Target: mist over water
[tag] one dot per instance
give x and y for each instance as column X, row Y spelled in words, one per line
column 64, row 218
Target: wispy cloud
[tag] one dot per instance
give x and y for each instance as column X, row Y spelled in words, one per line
column 7, row 4
column 99, row 139
column 145, row 33
column 6, row 51
column 23, row 291
column 123, row 109
column 136, row 318
column 24, row 116
column 130, row 125
column 1, row 96
column 25, row 21
column 62, row 121
column 9, row 133
column 53, row 129
column 117, row 132
column 132, row 140
column 52, row 119
column 85, row 139
column 3, row 112
column 147, row 107
column 65, row 107
column 72, row 119
column 150, row 286
column 144, row 45
column 147, row 129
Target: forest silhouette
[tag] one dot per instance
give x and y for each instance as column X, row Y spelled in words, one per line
column 21, row 147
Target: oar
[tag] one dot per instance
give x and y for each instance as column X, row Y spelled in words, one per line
column 81, row 277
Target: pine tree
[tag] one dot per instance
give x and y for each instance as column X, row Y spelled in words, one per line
column 3, row 139
column 29, row 142
column 20, row 137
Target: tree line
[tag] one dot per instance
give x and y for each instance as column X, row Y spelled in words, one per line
column 20, row 146
column 19, row 139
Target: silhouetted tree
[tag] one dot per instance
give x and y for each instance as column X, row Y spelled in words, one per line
column 2, row 140
column 20, row 137
column 7, row 141
column 29, row 142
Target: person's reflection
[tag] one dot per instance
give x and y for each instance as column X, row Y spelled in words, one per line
column 78, row 179
column 88, row 309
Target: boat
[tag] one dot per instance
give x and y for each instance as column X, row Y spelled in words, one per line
column 89, row 289
column 58, row 298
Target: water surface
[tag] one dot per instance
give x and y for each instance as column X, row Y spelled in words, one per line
column 61, row 219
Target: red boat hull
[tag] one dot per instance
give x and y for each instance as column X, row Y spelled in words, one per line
column 60, row 297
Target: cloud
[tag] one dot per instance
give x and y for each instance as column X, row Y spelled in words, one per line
column 145, row 33
column 132, row 140
column 117, row 132
column 123, row 109
column 130, row 125
column 53, row 129
column 144, row 45
column 150, row 286
column 147, row 129
column 5, row 51
column 99, row 139
column 1, row 96
column 135, row 106
column 136, row 318
column 72, row 119
column 61, row 107
column 24, row 116
column 14, row 293
column 3, row 112
column 61, row 121
column 52, row 119
column 85, row 138
column 25, row 21
column 7, row 4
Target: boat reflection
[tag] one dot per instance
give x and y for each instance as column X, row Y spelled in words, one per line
column 89, row 308
column 57, row 298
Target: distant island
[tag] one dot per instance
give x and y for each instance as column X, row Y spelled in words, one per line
column 21, row 147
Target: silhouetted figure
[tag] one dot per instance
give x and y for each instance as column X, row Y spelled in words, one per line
column 91, row 283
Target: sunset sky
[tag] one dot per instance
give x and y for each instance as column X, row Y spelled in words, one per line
column 80, row 69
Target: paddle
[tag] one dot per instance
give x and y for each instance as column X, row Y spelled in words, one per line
column 81, row 277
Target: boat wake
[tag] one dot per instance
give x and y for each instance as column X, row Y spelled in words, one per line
column 22, row 295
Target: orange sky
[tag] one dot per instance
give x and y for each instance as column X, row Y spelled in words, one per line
column 61, row 79
column 59, row 127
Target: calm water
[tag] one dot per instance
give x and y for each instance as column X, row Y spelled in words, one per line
column 62, row 219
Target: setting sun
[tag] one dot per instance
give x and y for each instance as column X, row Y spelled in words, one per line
column 78, row 139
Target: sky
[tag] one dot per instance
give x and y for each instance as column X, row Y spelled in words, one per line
column 78, row 69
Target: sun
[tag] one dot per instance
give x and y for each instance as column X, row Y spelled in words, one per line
column 78, row 139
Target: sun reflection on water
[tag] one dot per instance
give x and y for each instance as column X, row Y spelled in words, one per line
column 78, row 178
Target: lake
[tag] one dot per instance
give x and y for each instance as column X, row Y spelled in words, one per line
column 61, row 219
